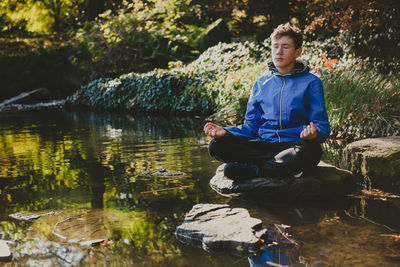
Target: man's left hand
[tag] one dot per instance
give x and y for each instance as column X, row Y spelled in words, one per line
column 310, row 132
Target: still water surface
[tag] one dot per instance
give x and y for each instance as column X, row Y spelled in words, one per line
column 86, row 167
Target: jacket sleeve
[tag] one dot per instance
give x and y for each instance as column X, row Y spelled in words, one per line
column 317, row 110
column 249, row 129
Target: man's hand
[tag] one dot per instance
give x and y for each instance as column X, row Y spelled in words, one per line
column 214, row 130
column 310, row 132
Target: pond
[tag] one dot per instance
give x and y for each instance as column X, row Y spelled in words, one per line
column 84, row 172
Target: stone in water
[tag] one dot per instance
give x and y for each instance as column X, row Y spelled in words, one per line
column 217, row 228
column 5, row 252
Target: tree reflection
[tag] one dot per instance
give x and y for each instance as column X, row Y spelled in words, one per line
column 88, row 167
column 96, row 184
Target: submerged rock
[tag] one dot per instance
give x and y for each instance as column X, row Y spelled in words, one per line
column 87, row 229
column 162, row 172
column 325, row 181
column 24, row 217
column 217, row 227
column 5, row 252
column 31, row 216
column 376, row 159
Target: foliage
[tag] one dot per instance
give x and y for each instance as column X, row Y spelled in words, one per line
column 154, row 91
column 41, row 16
column 144, row 35
column 362, row 103
column 254, row 18
column 371, row 28
column 236, row 66
column 203, row 86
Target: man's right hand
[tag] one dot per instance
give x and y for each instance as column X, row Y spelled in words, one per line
column 214, row 130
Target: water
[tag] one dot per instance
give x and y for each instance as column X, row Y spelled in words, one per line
column 85, row 167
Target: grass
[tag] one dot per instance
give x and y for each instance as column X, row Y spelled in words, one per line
column 362, row 103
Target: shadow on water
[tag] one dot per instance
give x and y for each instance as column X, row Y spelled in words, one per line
column 87, row 167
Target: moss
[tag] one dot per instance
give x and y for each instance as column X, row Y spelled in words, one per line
column 363, row 169
column 393, row 154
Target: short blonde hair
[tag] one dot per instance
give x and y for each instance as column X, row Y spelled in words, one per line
column 290, row 31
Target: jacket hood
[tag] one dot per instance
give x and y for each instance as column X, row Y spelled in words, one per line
column 300, row 67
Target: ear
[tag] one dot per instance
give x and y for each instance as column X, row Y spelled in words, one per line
column 298, row 52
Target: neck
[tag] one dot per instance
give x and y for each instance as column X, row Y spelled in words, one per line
column 287, row 69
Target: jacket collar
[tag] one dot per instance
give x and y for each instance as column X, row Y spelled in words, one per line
column 300, row 67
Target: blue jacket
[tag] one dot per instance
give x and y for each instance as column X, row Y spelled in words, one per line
column 281, row 105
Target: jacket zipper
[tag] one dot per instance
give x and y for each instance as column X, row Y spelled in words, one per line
column 280, row 110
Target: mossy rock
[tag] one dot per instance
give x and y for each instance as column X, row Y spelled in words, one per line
column 375, row 159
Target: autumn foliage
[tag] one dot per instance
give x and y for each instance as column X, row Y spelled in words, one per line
column 371, row 28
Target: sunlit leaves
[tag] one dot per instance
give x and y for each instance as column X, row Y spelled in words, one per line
column 41, row 16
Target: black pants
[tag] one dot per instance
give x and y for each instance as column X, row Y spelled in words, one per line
column 274, row 159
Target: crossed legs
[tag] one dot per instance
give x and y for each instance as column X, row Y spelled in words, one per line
column 267, row 159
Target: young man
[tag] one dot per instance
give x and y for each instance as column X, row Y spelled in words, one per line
column 286, row 118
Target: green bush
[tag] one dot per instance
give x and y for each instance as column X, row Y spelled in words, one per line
column 220, row 75
column 156, row 91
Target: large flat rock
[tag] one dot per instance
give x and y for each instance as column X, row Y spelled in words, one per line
column 376, row 159
column 218, row 227
column 326, row 181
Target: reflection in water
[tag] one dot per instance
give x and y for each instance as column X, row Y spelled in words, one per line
column 270, row 257
column 88, row 166
column 96, row 184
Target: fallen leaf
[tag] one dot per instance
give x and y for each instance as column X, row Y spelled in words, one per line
column 395, row 237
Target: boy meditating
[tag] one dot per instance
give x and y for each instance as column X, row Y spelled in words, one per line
column 286, row 118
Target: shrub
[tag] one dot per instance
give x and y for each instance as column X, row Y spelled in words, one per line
column 219, row 76
column 156, row 91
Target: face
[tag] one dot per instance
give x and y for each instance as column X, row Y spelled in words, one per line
column 284, row 54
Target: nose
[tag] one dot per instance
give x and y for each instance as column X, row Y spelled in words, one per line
column 277, row 50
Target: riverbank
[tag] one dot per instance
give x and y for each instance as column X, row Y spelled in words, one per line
column 361, row 102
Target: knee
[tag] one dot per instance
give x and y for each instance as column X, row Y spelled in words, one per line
column 217, row 149
column 212, row 148
column 312, row 147
column 312, row 151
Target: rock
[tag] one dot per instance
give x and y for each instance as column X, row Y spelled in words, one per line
column 31, row 216
column 376, row 159
column 217, row 228
column 326, row 181
column 87, row 228
column 5, row 252
column 24, row 217
column 55, row 104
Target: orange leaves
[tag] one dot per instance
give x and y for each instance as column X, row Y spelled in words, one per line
column 378, row 193
column 329, row 63
column 395, row 237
